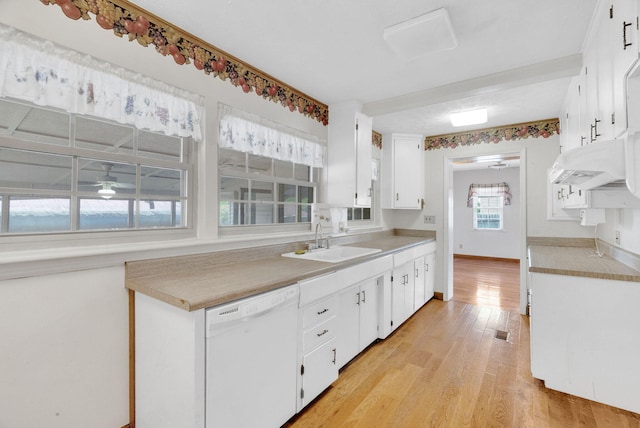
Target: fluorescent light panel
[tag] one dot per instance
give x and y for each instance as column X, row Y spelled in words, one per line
column 470, row 117
column 431, row 32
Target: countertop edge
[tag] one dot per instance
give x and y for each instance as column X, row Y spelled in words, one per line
column 314, row 269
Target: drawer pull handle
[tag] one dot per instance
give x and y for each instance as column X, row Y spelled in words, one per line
column 323, row 311
column 334, row 356
column 322, row 333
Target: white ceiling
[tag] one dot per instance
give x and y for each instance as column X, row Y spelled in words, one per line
column 514, row 57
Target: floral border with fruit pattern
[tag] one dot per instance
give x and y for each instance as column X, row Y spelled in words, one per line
column 543, row 128
column 127, row 19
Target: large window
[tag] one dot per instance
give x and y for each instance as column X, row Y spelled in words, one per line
column 62, row 172
column 258, row 190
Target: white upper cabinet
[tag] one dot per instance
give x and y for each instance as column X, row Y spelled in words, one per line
column 402, row 175
column 610, row 50
column 350, row 153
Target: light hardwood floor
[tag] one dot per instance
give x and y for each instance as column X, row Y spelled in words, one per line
column 445, row 368
column 487, row 282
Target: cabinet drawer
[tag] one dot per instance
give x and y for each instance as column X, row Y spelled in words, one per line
column 319, row 334
column 319, row 312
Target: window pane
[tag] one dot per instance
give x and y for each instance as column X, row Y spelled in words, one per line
column 43, row 126
column 349, row 214
column 260, row 165
column 304, row 213
column 106, row 178
column 33, row 214
column 231, row 161
column 105, row 214
column 161, row 181
column 305, row 194
column 357, row 213
column 302, row 172
column 283, row 169
column 366, row 213
column 261, row 191
column 287, row 213
column 234, row 188
column 159, row 146
column 21, row 169
column 103, row 136
column 261, row 213
column 286, row 193
column 233, row 213
column 160, row 214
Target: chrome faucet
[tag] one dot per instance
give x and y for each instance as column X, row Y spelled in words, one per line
column 318, row 227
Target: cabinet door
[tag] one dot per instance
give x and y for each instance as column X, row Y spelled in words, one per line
column 407, row 177
column 368, row 312
column 624, row 41
column 398, row 286
column 418, row 278
column 320, row 371
column 429, row 275
column 348, row 331
column 363, row 160
column 402, row 290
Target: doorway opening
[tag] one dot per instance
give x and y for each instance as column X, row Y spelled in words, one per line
column 485, row 248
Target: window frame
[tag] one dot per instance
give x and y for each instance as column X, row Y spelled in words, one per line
column 499, row 207
column 77, row 235
column 276, row 226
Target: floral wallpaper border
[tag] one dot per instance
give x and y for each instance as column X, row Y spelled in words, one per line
column 127, row 19
column 543, row 128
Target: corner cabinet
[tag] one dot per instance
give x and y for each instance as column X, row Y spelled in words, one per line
column 349, row 157
column 402, row 172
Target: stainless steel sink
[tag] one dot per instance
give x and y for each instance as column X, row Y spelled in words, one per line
column 335, row 254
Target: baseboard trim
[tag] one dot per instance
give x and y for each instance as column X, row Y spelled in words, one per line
column 495, row 259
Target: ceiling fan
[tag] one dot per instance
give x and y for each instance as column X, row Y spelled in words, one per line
column 108, row 183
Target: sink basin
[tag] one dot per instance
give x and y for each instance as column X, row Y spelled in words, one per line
column 335, row 254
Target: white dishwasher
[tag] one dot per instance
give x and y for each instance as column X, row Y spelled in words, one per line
column 251, row 360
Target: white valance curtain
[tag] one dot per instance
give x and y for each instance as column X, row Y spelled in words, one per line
column 246, row 132
column 497, row 189
column 45, row 74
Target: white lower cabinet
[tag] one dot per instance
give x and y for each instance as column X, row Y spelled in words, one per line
column 402, row 294
column 317, row 344
column 358, row 319
column 318, row 370
column 412, row 282
column 429, row 276
column 584, row 337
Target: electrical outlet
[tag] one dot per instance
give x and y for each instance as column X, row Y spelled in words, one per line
column 430, row 219
column 617, row 237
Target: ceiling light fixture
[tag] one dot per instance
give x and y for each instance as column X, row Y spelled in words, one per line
column 469, row 117
column 431, row 32
column 499, row 165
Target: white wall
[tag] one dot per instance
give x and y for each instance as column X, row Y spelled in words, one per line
column 503, row 243
column 64, row 350
column 64, row 336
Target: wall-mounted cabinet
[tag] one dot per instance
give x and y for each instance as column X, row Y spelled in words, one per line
column 596, row 105
column 402, row 175
column 349, row 157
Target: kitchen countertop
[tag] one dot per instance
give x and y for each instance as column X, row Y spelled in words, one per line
column 578, row 261
column 199, row 281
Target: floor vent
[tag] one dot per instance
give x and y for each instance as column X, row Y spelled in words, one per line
column 502, row 335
